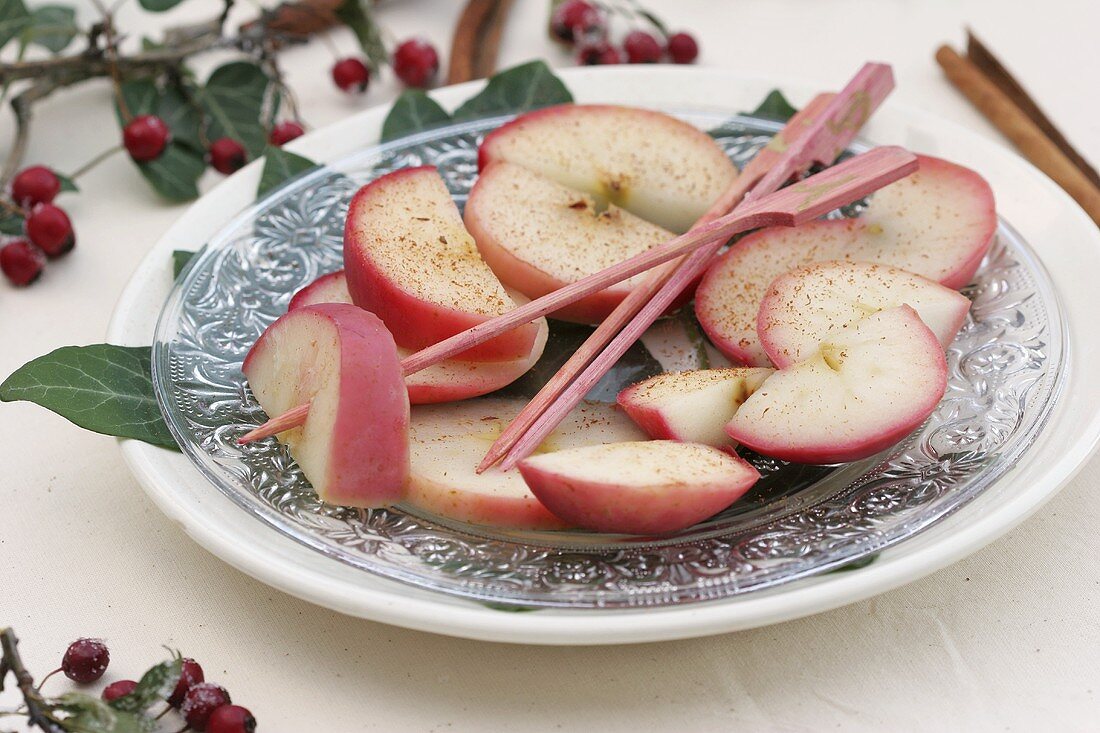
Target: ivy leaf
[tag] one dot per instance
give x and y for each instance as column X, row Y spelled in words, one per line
column 519, row 89
column 182, row 115
column 10, row 222
column 51, row 26
column 180, row 258
column 281, row 166
column 156, row 684
column 508, row 607
column 67, row 184
column 234, row 100
column 13, row 19
column 856, row 564
column 104, row 388
column 413, row 111
column 159, row 6
column 141, row 98
column 360, row 19
column 88, row 714
column 175, row 174
column 775, row 107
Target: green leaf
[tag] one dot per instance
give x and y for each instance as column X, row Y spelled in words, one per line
column 508, row 607
column 654, row 21
column 565, row 338
column 11, row 222
column 360, row 19
column 182, row 115
column 414, row 111
column 148, row 44
column 775, row 107
column 87, row 714
column 51, row 26
column 180, row 258
column 104, row 388
column 233, row 100
column 156, row 684
column 175, row 173
column 141, row 97
column 281, row 166
column 856, row 564
column 13, row 19
column 519, row 89
column 159, row 6
column 67, row 184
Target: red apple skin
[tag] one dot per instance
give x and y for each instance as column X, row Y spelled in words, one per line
column 369, row 448
column 605, row 507
column 415, row 323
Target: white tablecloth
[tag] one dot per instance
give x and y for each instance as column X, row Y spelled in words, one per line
column 1008, row 639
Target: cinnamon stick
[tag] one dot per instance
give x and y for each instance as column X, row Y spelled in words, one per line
column 1014, row 124
column 477, row 39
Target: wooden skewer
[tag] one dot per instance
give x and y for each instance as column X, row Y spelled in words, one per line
column 792, row 206
column 826, row 137
column 761, row 163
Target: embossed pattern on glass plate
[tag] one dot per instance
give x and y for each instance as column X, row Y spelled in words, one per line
column 1005, row 370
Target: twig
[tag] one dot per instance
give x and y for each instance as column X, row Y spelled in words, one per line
column 94, row 162
column 21, row 108
column 37, row 714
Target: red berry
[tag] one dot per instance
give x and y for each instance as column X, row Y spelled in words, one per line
column 201, row 701
column 231, row 719
column 600, row 53
column 85, row 660
column 190, row 675
column 682, row 48
column 415, row 62
column 115, row 690
column 49, row 227
column 21, row 262
column 227, row 155
column 351, row 75
column 35, row 185
column 576, row 20
column 284, row 132
column 641, row 48
column 145, row 138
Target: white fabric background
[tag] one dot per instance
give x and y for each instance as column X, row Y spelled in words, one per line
column 1008, row 639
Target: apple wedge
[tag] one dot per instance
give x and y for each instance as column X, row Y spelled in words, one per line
column 447, row 441
column 864, row 389
column 341, row 360
column 448, row 380
column 645, row 488
column 692, row 406
column 409, row 260
column 538, row 235
column 812, row 304
column 937, row 223
column 653, row 165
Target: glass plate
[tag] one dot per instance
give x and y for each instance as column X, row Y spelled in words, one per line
column 1005, row 370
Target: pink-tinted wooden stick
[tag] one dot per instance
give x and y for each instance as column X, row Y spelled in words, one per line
column 794, row 205
column 290, row 419
column 756, row 168
column 827, row 137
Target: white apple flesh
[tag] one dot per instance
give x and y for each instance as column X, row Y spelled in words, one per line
column 448, row 441
column 692, row 406
column 812, row 304
column 341, row 360
column 448, row 380
column 538, row 236
column 863, row 390
column 653, row 165
column 937, row 223
column 641, row 488
column 409, row 260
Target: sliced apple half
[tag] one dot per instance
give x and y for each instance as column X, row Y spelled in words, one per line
column 538, row 235
column 863, row 390
column 448, row 441
column 341, row 360
column 448, row 380
column 647, row 488
column 812, row 304
column 937, row 223
column 653, row 165
column 409, row 260
column 693, row 406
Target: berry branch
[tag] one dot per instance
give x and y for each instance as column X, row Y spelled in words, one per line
column 37, row 710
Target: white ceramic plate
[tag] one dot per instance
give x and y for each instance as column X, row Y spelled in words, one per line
column 1065, row 238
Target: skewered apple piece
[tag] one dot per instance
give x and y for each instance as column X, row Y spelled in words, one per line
column 863, row 389
column 796, row 204
column 692, row 407
column 644, row 488
column 938, row 223
column 448, row 380
column 809, row 305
